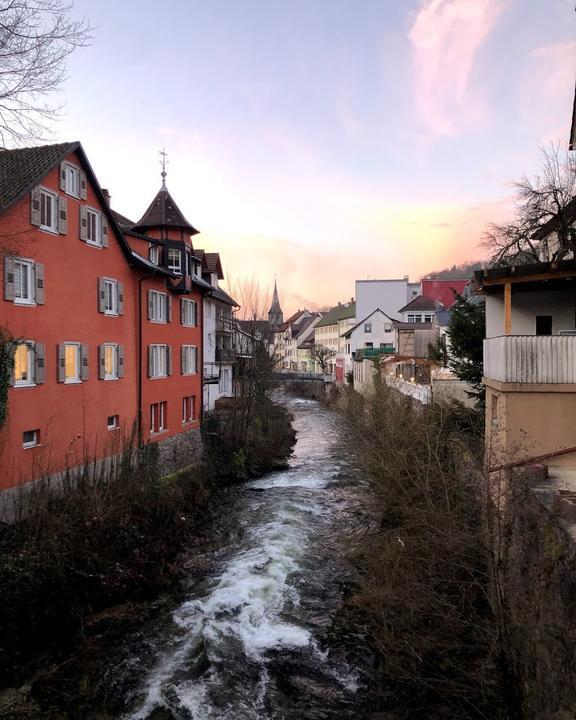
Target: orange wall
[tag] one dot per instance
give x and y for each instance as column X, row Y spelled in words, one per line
column 72, row 418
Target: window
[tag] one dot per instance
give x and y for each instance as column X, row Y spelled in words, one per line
column 113, row 422
column 428, row 318
column 543, row 324
column 24, row 364
column 158, row 359
column 188, row 408
column 157, row 306
column 175, row 261
column 24, row 282
column 111, row 297
column 93, row 235
column 188, row 312
column 158, row 417
column 71, row 362
column 368, row 327
column 188, row 359
column 368, row 345
column 48, row 210
column 110, row 362
column 30, row 438
column 71, row 180
column 154, row 254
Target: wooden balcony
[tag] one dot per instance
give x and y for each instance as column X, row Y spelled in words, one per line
column 531, row 359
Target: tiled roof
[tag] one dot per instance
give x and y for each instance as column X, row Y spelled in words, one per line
column 123, row 221
column 419, row 303
column 349, row 332
column 291, row 320
column 23, row 168
column 163, row 212
column 214, row 265
column 251, row 327
column 219, row 294
column 340, row 312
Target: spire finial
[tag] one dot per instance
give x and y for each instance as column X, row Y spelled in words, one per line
column 163, row 162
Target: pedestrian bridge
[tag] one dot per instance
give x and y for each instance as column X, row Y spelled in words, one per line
column 295, row 376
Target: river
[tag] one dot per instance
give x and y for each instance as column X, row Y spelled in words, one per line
column 254, row 640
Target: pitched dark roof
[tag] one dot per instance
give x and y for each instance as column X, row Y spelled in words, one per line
column 214, row 265
column 340, row 312
column 163, row 212
column 219, row 294
column 275, row 308
column 419, row 303
column 291, row 320
column 251, row 327
column 23, row 168
column 349, row 332
column 123, row 221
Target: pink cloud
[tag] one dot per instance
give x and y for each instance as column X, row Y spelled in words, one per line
column 446, row 36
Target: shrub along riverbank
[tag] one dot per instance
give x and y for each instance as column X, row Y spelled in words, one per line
column 96, row 543
column 426, row 568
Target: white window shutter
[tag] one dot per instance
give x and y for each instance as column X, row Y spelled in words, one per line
column 63, row 176
column 83, row 185
column 120, row 298
column 40, row 363
column 182, row 310
column 150, row 305
column 120, row 361
column 62, row 215
column 194, row 361
column 101, row 295
column 101, row 362
column 84, row 356
column 104, row 230
column 9, row 279
column 183, row 359
column 169, row 307
column 83, row 223
column 35, row 206
column 169, row 360
column 39, row 280
column 150, row 368
column 61, row 363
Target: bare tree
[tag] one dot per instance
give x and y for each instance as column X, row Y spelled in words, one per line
column 322, row 355
column 36, row 38
column 545, row 213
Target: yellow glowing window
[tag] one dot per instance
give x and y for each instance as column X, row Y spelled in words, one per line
column 23, row 365
column 71, row 363
column 110, row 361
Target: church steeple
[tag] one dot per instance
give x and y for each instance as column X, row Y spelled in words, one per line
column 275, row 314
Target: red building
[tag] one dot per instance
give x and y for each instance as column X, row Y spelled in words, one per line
column 442, row 290
column 106, row 317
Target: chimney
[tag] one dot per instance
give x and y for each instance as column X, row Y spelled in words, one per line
column 107, row 195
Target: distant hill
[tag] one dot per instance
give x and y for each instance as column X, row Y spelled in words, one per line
column 465, row 270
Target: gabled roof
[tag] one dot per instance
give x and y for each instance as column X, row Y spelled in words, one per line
column 219, row 294
column 23, row 168
column 420, row 303
column 123, row 221
column 340, row 312
column 214, row 265
column 349, row 332
column 163, row 212
column 302, row 325
column 291, row 320
column 252, row 327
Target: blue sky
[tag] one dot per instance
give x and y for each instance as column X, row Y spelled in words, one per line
column 324, row 140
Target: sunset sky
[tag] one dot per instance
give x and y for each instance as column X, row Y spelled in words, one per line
column 323, row 140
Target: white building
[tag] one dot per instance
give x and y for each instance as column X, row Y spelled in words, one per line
column 374, row 334
column 219, row 334
column 386, row 295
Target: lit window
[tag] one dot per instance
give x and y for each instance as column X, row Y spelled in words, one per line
column 24, row 365
column 158, row 417
column 368, row 327
column 24, row 281
column 110, row 362
column 175, row 261
column 111, row 297
column 48, row 210
column 72, row 180
column 188, row 359
column 72, row 362
column 188, row 408
column 30, row 438
column 113, row 422
column 188, row 315
column 93, row 235
column 158, row 361
column 157, row 306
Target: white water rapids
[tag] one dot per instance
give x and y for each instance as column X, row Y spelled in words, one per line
column 257, row 623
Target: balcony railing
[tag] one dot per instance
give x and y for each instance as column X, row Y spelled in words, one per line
column 225, row 325
column 530, row 359
column 365, row 353
column 225, row 355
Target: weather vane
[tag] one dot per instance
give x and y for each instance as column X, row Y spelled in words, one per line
column 163, row 162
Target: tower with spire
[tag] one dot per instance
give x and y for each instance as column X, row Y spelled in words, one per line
column 275, row 314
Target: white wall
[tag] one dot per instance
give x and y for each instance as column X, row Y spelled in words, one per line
column 382, row 332
column 388, row 295
column 209, row 349
column 561, row 305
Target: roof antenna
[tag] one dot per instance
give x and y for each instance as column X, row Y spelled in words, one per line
column 163, row 162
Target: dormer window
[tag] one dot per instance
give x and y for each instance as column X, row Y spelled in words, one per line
column 154, row 254
column 175, row 261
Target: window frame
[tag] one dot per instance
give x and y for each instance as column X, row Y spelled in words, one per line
column 53, row 196
column 174, row 268
column 115, row 422
column 78, row 378
column 154, row 250
column 31, row 364
column 97, row 226
column 31, row 273
column 115, row 296
column 113, row 348
column 31, row 444
column 156, row 295
column 74, row 170
column 158, row 412
column 189, row 351
column 188, row 409
column 155, row 351
column 368, row 328
column 190, row 307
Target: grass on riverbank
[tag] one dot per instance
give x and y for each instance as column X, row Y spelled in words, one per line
column 425, row 568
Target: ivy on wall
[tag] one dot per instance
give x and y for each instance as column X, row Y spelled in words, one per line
column 7, row 348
